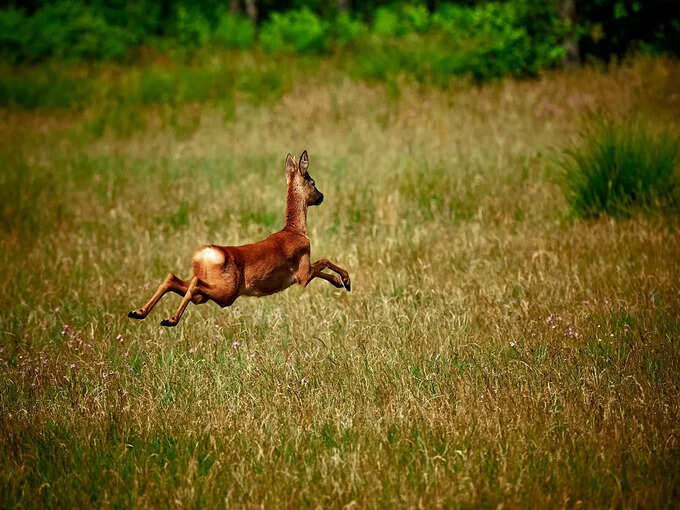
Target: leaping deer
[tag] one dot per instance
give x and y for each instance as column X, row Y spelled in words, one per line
column 223, row 273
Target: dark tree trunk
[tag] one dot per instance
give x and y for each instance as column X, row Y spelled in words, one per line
column 567, row 11
column 251, row 10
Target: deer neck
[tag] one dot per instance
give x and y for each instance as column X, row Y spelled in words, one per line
column 296, row 213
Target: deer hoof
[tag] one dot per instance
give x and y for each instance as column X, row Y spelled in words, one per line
column 347, row 283
column 168, row 323
column 136, row 314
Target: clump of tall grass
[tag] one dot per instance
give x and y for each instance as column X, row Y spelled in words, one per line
column 617, row 168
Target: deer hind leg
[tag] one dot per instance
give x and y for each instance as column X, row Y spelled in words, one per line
column 188, row 296
column 170, row 284
column 322, row 264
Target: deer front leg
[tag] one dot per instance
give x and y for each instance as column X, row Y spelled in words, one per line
column 170, row 284
column 307, row 272
column 322, row 264
column 331, row 278
column 172, row 321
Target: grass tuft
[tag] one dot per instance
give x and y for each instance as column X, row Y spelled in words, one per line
column 618, row 168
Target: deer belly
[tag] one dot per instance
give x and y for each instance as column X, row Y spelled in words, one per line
column 270, row 284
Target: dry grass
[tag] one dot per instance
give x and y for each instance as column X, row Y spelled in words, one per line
column 492, row 350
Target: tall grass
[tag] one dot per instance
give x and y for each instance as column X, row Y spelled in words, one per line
column 490, row 352
column 620, row 167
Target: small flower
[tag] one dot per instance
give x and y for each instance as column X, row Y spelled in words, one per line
column 119, row 337
column 192, row 350
column 512, row 344
column 57, row 310
column 72, row 365
column 252, row 356
column 304, row 382
column 549, row 320
column 104, row 375
column 236, row 345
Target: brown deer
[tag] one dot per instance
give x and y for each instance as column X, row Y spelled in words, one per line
column 223, row 273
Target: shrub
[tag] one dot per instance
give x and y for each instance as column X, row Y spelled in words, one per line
column 345, row 30
column 13, row 35
column 71, row 30
column 415, row 17
column 386, row 22
column 517, row 38
column 191, row 28
column 487, row 41
column 234, row 32
column 401, row 20
column 619, row 167
column 300, row 31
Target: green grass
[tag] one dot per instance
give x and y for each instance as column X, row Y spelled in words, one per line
column 493, row 350
column 618, row 168
column 114, row 87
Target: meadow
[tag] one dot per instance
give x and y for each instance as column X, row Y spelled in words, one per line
column 494, row 351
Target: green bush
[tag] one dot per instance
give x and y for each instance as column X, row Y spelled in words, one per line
column 234, row 32
column 13, row 35
column 300, row 31
column 517, row 38
column 619, row 167
column 69, row 30
column 415, row 17
column 192, row 29
column 386, row 22
column 345, row 30
column 487, row 41
column 401, row 20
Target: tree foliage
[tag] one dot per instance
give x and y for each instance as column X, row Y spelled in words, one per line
column 483, row 39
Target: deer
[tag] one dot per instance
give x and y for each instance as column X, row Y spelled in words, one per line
column 224, row 273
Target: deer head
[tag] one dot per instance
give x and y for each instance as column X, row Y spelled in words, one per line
column 300, row 183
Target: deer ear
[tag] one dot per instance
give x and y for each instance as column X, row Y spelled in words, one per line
column 304, row 162
column 290, row 164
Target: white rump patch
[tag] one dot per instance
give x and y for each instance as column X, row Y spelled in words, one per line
column 209, row 255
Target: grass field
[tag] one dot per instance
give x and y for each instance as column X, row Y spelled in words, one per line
column 493, row 349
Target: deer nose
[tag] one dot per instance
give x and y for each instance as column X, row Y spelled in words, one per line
column 320, row 198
